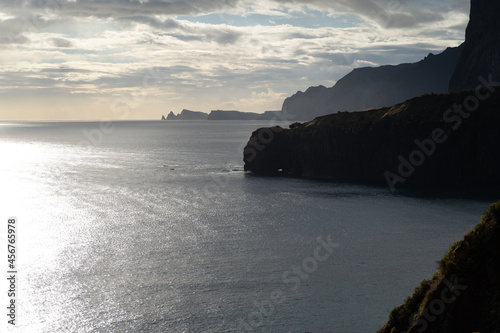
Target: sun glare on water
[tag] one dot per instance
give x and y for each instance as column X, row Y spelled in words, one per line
column 44, row 222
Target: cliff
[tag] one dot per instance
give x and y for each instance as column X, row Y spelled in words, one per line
column 447, row 139
column 464, row 295
column 481, row 53
column 187, row 115
column 374, row 87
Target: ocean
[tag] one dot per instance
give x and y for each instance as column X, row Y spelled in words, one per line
column 149, row 226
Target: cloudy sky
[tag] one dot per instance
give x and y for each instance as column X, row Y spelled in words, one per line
column 139, row 59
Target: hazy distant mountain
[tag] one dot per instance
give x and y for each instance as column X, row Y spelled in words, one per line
column 188, row 115
column 481, row 54
column 271, row 115
column 232, row 115
column 225, row 115
column 375, row 87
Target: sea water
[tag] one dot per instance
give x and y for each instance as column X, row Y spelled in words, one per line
column 155, row 227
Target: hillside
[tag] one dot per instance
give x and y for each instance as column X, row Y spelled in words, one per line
column 464, row 295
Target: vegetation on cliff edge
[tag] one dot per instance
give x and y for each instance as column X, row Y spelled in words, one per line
column 464, row 295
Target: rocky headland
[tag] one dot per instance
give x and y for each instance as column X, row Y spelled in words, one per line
column 448, row 140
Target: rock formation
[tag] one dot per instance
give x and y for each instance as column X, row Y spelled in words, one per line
column 481, row 53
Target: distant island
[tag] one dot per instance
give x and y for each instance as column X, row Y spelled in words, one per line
column 186, row 115
column 224, row 115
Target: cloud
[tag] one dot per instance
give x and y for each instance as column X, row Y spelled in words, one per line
column 36, row 15
column 389, row 14
column 222, row 34
column 61, row 42
column 268, row 50
column 265, row 100
column 394, row 14
column 12, row 31
column 119, row 8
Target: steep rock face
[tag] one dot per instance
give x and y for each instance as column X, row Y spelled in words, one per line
column 481, row 53
column 429, row 140
column 463, row 296
column 375, row 87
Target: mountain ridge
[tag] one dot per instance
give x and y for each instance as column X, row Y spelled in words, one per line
column 375, row 87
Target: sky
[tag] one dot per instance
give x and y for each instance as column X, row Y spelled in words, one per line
column 141, row 59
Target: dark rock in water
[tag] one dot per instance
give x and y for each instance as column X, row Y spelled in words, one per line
column 375, row 87
column 187, row 115
column 163, row 117
column 428, row 140
column 481, row 53
column 464, row 295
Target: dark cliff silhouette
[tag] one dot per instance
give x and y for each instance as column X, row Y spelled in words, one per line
column 481, row 53
column 448, row 140
column 375, row 87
